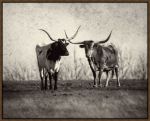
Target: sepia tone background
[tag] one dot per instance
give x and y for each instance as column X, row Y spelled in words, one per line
column 21, row 21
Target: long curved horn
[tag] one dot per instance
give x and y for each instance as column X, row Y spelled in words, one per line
column 74, row 34
column 76, row 42
column 48, row 34
column 66, row 34
column 68, row 39
column 106, row 39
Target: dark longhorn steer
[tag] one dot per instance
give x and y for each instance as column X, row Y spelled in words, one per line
column 101, row 59
column 49, row 61
column 48, row 58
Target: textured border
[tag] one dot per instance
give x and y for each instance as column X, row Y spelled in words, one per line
column 71, row 1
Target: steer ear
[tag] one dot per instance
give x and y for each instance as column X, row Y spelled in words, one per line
column 66, row 44
column 82, row 46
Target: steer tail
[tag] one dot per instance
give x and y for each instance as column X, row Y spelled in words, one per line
column 113, row 48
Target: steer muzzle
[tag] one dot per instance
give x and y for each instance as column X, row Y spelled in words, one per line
column 89, row 53
column 66, row 53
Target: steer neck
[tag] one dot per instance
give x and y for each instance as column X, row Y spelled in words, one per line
column 54, row 57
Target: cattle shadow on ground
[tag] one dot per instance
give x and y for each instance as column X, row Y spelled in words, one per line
column 27, row 86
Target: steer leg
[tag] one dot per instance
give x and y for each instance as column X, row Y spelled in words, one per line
column 45, row 82
column 100, row 74
column 41, row 80
column 50, row 80
column 45, row 78
column 96, row 78
column 42, row 85
column 94, row 75
column 117, row 76
column 93, row 71
column 55, row 79
column 108, row 78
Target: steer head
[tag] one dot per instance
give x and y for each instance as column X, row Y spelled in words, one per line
column 59, row 46
column 89, row 45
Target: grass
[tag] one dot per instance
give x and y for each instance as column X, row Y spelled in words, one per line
column 75, row 99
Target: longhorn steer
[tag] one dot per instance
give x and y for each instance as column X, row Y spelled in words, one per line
column 101, row 59
column 48, row 58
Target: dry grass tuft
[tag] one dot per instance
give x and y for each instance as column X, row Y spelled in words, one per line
column 78, row 68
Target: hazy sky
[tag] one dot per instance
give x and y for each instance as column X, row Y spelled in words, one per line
column 21, row 22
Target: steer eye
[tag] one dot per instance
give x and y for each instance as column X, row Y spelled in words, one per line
column 82, row 46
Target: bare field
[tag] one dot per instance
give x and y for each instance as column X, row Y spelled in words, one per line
column 75, row 99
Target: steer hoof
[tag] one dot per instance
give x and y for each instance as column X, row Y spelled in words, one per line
column 55, row 88
column 118, row 85
column 42, row 88
column 100, row 85
column 106, row 86
column 52, row 91
column 95, row 86
column 50, row 87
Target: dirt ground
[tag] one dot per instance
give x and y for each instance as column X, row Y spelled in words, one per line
column 75, row 99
